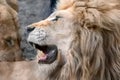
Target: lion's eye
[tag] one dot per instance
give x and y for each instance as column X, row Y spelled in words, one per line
column 9, row 41
column 56, row 18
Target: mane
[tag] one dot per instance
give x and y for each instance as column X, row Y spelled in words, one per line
column 95, row 50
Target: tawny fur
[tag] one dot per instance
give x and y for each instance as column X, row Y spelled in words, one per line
column 13, row 4
column 9, row 36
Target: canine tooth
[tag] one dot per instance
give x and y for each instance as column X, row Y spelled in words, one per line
column 34, row 46
column 40, row 54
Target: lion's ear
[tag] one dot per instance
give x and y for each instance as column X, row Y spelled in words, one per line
column 64, row 4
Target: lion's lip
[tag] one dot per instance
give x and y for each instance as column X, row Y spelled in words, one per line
column 48, row 54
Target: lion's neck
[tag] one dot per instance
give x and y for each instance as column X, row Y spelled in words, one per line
column 80, row 59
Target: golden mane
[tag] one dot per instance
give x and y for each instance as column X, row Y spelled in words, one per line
column 95, row 51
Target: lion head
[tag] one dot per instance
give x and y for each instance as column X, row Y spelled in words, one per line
column 81, row 40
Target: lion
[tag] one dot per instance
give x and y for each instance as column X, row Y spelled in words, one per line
column 86, row 33
column 80, row 40
column 9, row 34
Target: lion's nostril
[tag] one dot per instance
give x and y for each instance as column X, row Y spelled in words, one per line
column 29, row 29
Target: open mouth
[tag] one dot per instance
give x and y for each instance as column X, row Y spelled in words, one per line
column 47, row 54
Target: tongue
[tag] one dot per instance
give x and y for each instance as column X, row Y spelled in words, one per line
column 41, row 56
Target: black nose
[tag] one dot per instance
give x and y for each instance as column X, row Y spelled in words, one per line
column 29, row 29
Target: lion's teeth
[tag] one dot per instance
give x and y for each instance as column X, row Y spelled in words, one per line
column 34, row 46
column 41, row 55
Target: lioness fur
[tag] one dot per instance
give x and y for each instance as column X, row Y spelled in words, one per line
column 9, row 36
column 13, row 4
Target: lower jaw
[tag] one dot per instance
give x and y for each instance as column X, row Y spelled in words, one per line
column 46, row 58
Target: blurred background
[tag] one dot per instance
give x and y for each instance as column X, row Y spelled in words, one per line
column 32, row 11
